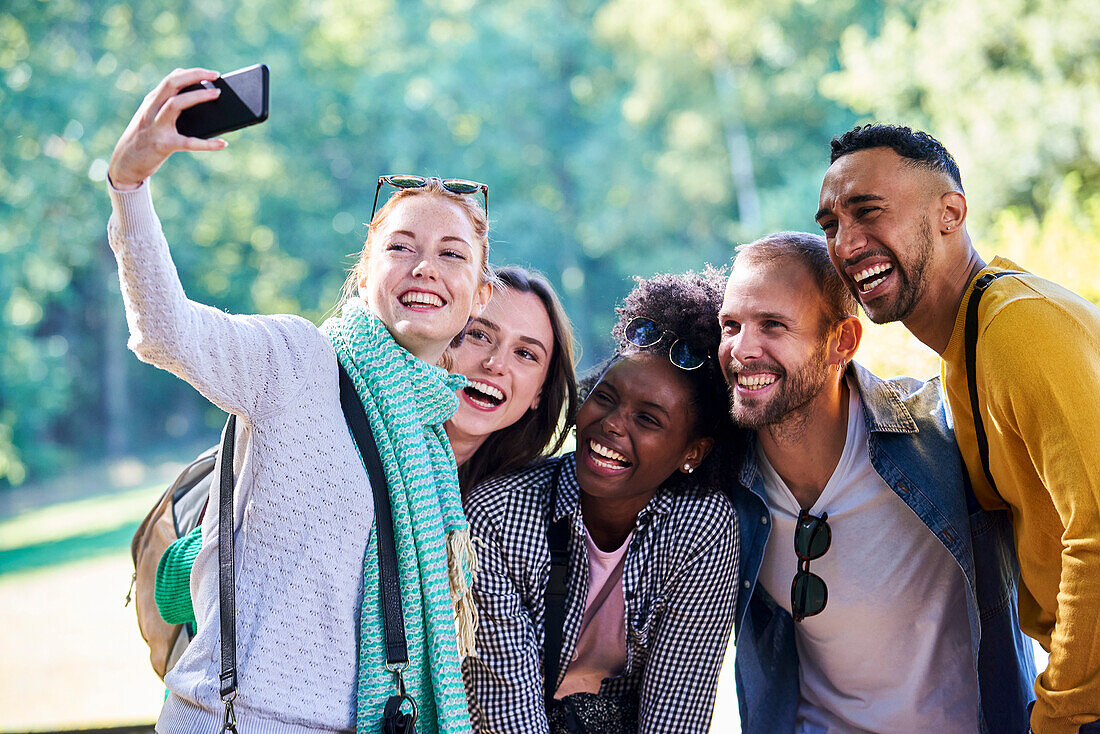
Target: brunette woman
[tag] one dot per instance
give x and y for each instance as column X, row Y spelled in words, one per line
column 522, row 396
column 633, row 626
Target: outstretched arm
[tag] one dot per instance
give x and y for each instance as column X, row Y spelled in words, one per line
column 246, row 365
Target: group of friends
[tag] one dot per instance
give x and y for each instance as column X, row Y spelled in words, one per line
column 882, row 556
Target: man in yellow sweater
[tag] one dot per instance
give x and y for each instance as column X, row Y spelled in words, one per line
column 893, row 211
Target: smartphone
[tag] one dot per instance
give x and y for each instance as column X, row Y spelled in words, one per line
column 243, row 102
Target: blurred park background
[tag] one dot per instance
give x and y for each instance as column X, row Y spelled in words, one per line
column 618, row 138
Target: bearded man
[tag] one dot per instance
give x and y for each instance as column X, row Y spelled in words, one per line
column 1021, row 374
column 872, row 599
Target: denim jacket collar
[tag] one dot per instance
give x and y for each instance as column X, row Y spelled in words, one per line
column 883, row 412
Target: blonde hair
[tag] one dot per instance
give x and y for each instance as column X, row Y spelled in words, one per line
column 478, row 220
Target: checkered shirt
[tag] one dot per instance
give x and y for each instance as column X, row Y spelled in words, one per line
column 679, row 587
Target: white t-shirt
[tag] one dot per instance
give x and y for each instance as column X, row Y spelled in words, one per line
column 891, row 651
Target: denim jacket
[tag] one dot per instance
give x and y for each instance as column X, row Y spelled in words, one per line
column 912, row 448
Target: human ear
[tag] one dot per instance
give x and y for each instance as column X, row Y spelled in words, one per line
column 697, row 451
column 364, row 280
column 849, row 333
column 481, row 298
column 953, row 212
column 537, row 400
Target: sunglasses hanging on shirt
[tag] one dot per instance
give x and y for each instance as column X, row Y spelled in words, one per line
column 812, row 538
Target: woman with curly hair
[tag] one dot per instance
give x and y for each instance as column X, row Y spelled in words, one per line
column 613, row 569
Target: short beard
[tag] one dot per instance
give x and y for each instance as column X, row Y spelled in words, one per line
column 910, row 282
column 801, row 387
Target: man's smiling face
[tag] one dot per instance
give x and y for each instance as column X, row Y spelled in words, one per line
column 774, row 348
column 877, row 213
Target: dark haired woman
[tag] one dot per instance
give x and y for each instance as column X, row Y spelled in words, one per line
column 522, row 396
column 637, row 628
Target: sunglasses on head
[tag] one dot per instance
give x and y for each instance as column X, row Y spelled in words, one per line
column 408, row 181
column 812, row 538
column 644, row 332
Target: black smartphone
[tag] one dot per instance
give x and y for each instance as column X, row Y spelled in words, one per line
column 243, row 102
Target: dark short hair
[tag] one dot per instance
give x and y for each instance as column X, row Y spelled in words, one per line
column 542, row 431
column 919, row 148
column 810, row 251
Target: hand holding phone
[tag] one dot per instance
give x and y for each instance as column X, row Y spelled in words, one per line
column 146, row 143
column 243, row 101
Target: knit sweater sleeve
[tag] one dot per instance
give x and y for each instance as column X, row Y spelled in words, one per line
column 248, row 365
column 172, row 590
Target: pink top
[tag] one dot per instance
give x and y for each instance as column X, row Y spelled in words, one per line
column 601, row 645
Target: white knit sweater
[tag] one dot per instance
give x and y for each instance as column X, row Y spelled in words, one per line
column 303, row 510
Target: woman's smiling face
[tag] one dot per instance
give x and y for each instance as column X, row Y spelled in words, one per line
column 505, row 355
column 423, row 278
column 635, row 429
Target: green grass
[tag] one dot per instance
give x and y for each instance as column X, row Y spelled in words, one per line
column 74, row 530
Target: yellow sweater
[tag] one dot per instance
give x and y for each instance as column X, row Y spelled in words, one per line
column 1038, row 377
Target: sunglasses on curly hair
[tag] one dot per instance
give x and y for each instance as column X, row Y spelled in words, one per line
column 644, row 332
column 408, row 181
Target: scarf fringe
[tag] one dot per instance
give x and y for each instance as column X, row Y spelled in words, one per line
column 461, row 569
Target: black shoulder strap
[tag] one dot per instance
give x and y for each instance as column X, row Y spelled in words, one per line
column 971, row 350
column 557, row 536
column 389, row 583
column 393, row 621
column 227, row 610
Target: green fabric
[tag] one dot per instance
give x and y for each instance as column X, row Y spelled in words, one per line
column 172, row 590
column 407, row 402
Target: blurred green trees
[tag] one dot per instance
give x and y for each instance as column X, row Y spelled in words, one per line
column 618, row 138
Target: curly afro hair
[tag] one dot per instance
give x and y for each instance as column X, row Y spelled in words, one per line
column 687, row 305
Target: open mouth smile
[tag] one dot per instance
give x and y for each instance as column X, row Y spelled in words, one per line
column 754, row 381
column 483, row 396
column 606, row 458
column 421, row 300
column 868, row 279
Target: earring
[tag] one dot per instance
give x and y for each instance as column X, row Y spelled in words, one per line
column 689, row 468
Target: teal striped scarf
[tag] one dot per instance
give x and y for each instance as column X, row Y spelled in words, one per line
column 407, row 402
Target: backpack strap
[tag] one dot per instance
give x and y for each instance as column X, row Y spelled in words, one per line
column 226, row 581
column 557, row 537
column 971, row 351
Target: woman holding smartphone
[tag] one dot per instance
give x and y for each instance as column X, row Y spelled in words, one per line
column 310, row 655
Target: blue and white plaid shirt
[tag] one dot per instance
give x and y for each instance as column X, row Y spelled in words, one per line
column 679, row 587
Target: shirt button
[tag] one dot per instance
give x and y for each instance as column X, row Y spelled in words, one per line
column 764, row 520
column 746, row 583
